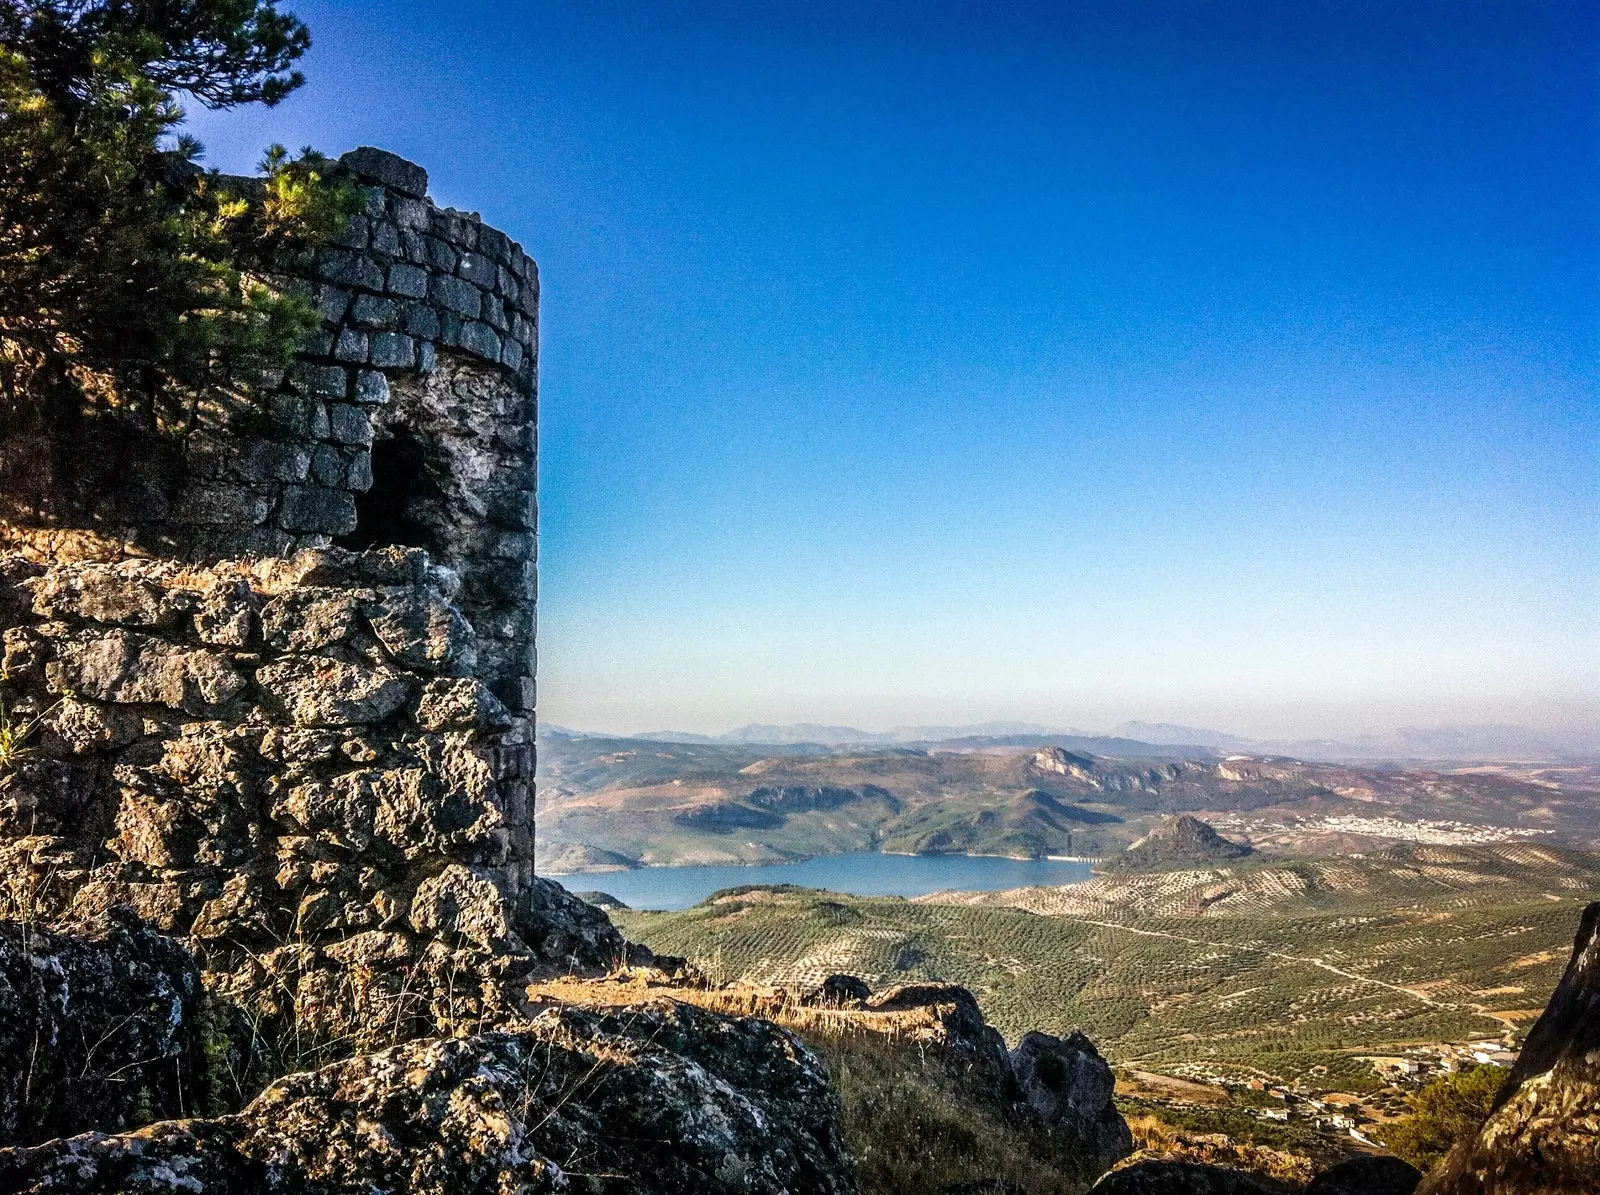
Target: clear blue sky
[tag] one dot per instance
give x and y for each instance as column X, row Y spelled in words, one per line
column 1226, row 363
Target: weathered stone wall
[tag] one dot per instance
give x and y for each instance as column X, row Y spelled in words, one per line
column 291, row 765
column 409, row 419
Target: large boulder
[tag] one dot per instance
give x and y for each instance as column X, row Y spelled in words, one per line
column 96, row 1030
column 948, row 1015
column 1371, row 1175
column 1543, row 1135
column 663, row 1098
column 1069, row 1086
column 1170, row 1176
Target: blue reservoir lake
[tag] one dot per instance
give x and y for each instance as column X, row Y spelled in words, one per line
column 865, row 873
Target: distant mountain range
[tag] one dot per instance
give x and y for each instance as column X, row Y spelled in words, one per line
column 1486, row 741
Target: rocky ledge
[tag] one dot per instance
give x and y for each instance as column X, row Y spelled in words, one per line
column 663, row 1098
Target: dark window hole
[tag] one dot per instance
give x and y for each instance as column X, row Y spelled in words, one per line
column 400, row 486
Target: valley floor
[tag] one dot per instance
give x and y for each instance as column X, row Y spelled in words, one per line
column 1309, row 993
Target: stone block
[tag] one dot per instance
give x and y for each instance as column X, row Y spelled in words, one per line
column 352, row 346
column 494, row 313
column 419, row 319
column 506, row 283
column 511, row 354
column 458, row 229
column 359, row 475
column 318, row 691
column 350, row 269
column 410, row 281
column 410, row 214
column 371, row 311
column 481, row 339
column 328, row 381
column 354, row 235
column 415, row 246
column 393, row 171
column 441, row 256
column 219, row 505
column 372, row 388
column 394, row 350
column 513, row 508
column 332, row 303
column 386, row 238
column 268, row 460
column 310, row 619
column 374, row 202
column 315, row 509
column 451, row 703
column 456, row 294
column 427, row 357
column 327, row 466
column 130, row 669
column 477, row 269
column 494, row 243
column 348, row 424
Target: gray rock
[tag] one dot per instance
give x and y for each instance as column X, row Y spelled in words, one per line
column 393, row 171
column 460, row 704
column 1169, row 1176
column 410, row 281
column 1544, row 1133
column 455, row 294
column 128, row 668
column 425, row 633
column 651, row 1101
column 1069, row 1086
column 318, row 691
column 1367, row 1176
column 394, row 350
column 97, row 1030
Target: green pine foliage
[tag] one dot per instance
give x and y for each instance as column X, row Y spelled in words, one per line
column 1445, row 1111
column 120, row 258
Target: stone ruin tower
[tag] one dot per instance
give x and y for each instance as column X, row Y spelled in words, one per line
column 271, row 663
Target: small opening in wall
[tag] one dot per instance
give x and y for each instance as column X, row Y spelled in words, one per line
column 385, row 513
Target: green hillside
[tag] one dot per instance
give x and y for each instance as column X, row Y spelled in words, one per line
column 1297, row 991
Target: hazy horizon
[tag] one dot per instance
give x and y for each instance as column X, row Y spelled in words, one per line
column 1225, row 364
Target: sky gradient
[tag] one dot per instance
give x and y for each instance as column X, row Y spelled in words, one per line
column 1232, row 364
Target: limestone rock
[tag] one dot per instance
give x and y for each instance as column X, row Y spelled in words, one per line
column 1544, row 1133
column 129, row 668
column 1367, row 1176
column 1169, row 1176
column 659, row 1099
column 958, row 1019
column 100, row 1029
column 321, row 691
column 839, row 991
column 1069, row 1085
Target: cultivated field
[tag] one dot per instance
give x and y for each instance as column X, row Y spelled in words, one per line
column 1297, row 974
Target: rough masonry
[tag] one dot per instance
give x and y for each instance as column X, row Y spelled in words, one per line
column 268, row 663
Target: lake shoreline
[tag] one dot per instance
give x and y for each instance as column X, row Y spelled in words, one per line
column 859, row 873
column 618, row 869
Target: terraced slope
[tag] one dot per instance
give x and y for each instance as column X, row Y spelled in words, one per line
column 1300, row 975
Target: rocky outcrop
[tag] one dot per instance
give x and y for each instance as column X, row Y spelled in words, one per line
column 663, row 1099
column 100, row 1030
column 1543, row 1135
column 1168, row 1176
column 1182, row 841
column 1069, row 1086
column 1367, row 1176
